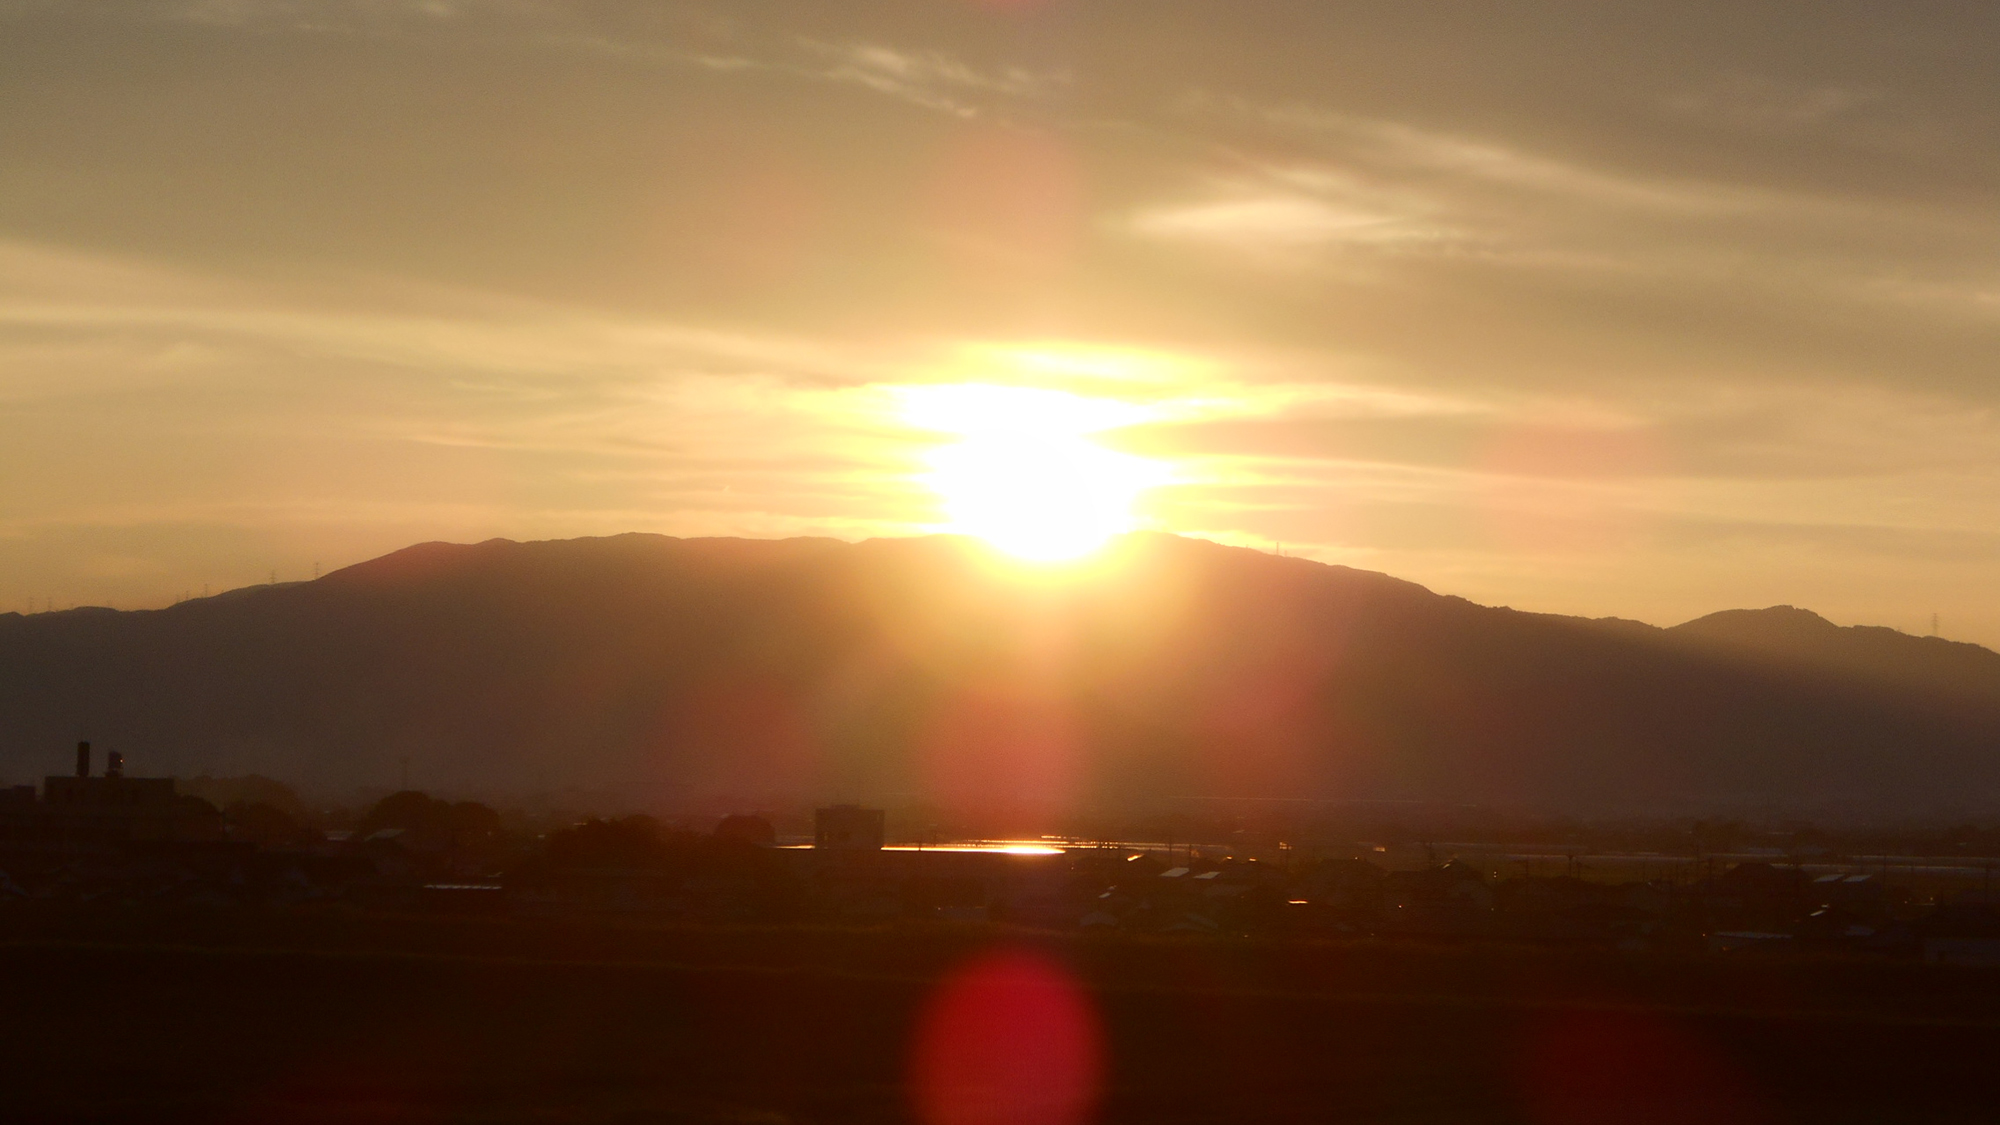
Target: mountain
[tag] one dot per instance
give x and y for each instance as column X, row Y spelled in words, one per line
column 1785, row 636
column 713, row 670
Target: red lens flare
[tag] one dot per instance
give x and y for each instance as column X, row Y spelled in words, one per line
column 1007, row 1040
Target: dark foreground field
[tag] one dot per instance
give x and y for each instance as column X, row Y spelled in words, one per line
column 114, row 1019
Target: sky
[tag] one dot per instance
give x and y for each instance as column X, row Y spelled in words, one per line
column 1607, row 309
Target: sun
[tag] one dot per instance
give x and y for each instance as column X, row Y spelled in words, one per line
column 1024, row 473
column 1044, row 497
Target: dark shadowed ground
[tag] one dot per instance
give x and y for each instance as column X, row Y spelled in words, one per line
column 266, row 1020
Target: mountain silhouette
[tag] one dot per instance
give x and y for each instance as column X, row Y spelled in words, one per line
column 1786, row 636
column 714, row 670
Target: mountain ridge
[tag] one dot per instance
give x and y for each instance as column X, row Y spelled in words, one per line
column 688, row 670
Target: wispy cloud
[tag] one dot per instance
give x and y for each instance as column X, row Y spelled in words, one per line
column 1381, row 146
column 1280, row 221
column 109, row 299
column 1763, row 104
column 928, row 78
column 329, row 15
column 1355, row 182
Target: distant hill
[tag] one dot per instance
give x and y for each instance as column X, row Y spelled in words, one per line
column 673, row 670
column 1784, row 636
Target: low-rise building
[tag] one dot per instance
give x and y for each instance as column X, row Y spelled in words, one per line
column 106, row 808
column 849, row 828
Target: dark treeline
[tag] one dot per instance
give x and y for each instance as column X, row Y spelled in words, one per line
column 1677, row 887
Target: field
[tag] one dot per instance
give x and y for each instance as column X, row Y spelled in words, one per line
column 270, row 1018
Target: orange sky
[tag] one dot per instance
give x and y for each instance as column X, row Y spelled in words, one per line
column 1594, row 309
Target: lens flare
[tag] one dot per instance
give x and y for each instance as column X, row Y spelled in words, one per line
column 1024, row 474
column 1007, row 1040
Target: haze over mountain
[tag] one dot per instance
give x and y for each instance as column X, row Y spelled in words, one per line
column 704, row 671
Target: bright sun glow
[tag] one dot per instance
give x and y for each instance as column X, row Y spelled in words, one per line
column 1024, row 474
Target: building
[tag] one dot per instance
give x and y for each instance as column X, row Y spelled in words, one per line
column 110, row 808
column 848, row 828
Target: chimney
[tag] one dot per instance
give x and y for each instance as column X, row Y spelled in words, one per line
column 114, row 764
column 83, row 759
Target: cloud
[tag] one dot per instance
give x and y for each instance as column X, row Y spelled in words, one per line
column 99, row 299
column 1763, row 104
column 928, row 78
column 1352, row 181
column 1389, row 147
column 327, row 15
column 172, row 399
column 1273, row 221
